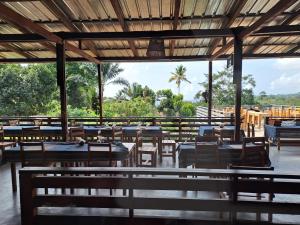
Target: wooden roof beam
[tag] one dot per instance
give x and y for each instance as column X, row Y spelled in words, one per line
column 233, row 14
column 262, row 41
column 147, row 59
column 120, row 15
column 18, row 20
column 175, row 24
column 60, row 14
column 265, row 19
column 276, row 31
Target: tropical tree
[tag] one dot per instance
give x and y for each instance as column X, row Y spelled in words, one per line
column 224, row 89
column 179, row 76
column 136, row 90
column 110, row 73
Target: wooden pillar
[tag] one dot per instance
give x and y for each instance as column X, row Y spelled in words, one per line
column 209, row 91
column 61, row 81
column 237, row 79
column 100, row 93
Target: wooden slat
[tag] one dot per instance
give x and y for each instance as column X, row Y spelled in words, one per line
column 60, row 14
column 233, row 14
column 10, row 15
column 81, row 182
column 120, row 15
column 272, row 13
column 175, row 24
column 80, row 201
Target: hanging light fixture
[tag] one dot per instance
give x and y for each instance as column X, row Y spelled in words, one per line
column 156, row 48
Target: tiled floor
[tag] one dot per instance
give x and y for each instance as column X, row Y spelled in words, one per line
column 288, row 159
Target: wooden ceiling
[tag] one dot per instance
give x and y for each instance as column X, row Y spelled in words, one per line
column 244, row 18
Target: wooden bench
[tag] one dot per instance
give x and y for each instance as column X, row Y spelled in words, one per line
column 146, row 190
column 288, row 136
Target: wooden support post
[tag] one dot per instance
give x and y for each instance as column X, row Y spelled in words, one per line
column 100, row 88
column 27, row 193
column 61, row 81
column 237, row 79
column 209, row 91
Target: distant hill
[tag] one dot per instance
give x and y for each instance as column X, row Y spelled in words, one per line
column 279, row 99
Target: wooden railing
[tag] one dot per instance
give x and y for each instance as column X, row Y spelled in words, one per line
column 181, row 128
column 143, row 188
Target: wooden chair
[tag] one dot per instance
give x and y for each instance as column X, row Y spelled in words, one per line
column 31, row 150
column 206, row 152
column 3, row 143
column 225, row 135
column 96, row 148
column 13, row 122
column 93, row 150
column 76, row 132
column 147, row 150
column 258, row 196
column 31, row 134
column 253, row 148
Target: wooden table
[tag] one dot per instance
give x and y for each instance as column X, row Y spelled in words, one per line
column 68, row 152
column 227, row 153
column 56, row 131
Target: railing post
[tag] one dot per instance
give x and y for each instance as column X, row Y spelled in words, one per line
column 180, row 129
column 27, row 192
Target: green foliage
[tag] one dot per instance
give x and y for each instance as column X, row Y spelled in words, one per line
column 288, row 99
column 136, row 90
column 173, row 105
column 179, row 76
column 26, row 90
column 135, row 107
column 224, row 89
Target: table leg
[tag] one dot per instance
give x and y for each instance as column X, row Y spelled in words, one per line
column 13, row 176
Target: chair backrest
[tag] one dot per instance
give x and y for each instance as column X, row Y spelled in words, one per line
column 206, row 139
column 1, row 133
column 252, row 148
column 31, row 134
column 76, row 132
column 13, row 122
column 32, row 150
column 206, row 153
column 95, row 148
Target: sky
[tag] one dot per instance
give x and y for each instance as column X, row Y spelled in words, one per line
column 274, row 76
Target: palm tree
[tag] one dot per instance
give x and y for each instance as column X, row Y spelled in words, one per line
column 179, row 76
column 110, row 72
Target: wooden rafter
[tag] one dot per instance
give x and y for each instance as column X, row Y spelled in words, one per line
column 120, row 15
column 294, row 49
column 20, row 21
column 263, row 40
column 270, row 15
column 233, row 14
column 61, row 15
column 175, row 24
column 17, row 50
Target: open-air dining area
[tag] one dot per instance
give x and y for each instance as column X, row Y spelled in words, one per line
column 162, row 160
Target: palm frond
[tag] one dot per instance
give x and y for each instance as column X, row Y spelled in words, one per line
column 120, row 81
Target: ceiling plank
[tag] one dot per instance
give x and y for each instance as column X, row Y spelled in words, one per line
column 60, row 14
column 175, row 24
column 231, row 17
column 17, row 50
column 18, row 20
column 120, row 15
column 262, row 41
column 264, row 20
